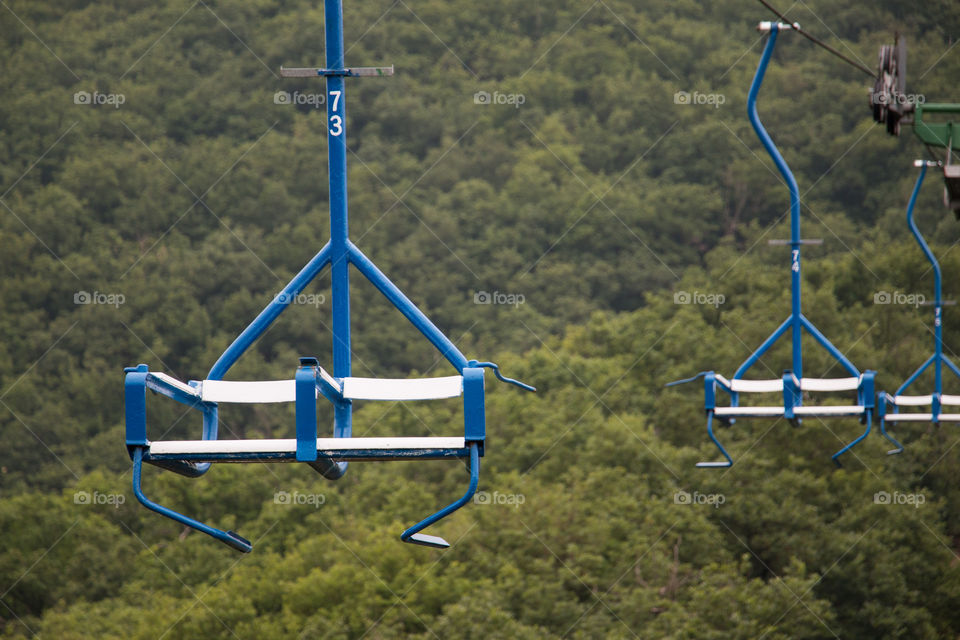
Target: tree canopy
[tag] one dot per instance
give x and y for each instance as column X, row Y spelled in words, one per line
column 579, row 166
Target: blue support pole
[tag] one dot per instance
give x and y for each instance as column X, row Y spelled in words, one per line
column 826, row 344
column 756, row 355
column 407, row 308
column 270, row 313
column 937, row 286
column 795, row 322
column 339, row 244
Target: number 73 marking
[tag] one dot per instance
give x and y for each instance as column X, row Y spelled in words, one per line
column 336, row 122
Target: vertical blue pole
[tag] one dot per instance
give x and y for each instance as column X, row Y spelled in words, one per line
column 339, row 255
column 796, row 322
column 938, row 302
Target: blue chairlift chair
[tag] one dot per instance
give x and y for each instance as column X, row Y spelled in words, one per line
column 792, row 386
column 329, row 456
column 889, row 405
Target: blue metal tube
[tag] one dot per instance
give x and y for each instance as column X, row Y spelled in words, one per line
column 723, row 451
column 915, row 375
column 339, row 244
column 938, row 302
column 951, row 366
column 826, row 344
column 227, row 537
column 756, row 355
column 866, row 432
column 407, row 536
column 407, row 308
column 260, row 324
column 794, row 199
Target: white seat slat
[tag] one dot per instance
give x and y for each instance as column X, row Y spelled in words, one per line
column 249, row 391
column 824, row 410
column 951, row 400
column 748, row 412
column 909, row 417
column 828, row 410
column 921, row 417
column 912, row 401
column 289, row 445
column 402, row 389
column 829, row 384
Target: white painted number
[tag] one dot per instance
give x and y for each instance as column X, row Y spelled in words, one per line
column 796, row 260
column 336, row 122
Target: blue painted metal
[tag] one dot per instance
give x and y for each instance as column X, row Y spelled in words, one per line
column 412, row 534
column 796, row 322
column 794, row 198
column 791, row 395
column 339, row 253
column 500, row 376
column 938, row 359
column 474, row 415
column 715, row 465
column 270, row 313
column 306, row 409
column 135, row 405
column 836, row 457
column 407, row 308
column 227, row 537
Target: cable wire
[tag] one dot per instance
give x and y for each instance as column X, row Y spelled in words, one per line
column 809, row 37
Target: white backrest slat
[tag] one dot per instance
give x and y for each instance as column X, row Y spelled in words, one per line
column 249, row 391
column 402, row 389
column 757, row 386
column 829, row 384
column 913, row 401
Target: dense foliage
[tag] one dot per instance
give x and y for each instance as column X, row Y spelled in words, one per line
column 152, row 168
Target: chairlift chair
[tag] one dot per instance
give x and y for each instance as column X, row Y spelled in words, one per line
column 792, row 385
column 310, row 381
column 889, row 405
